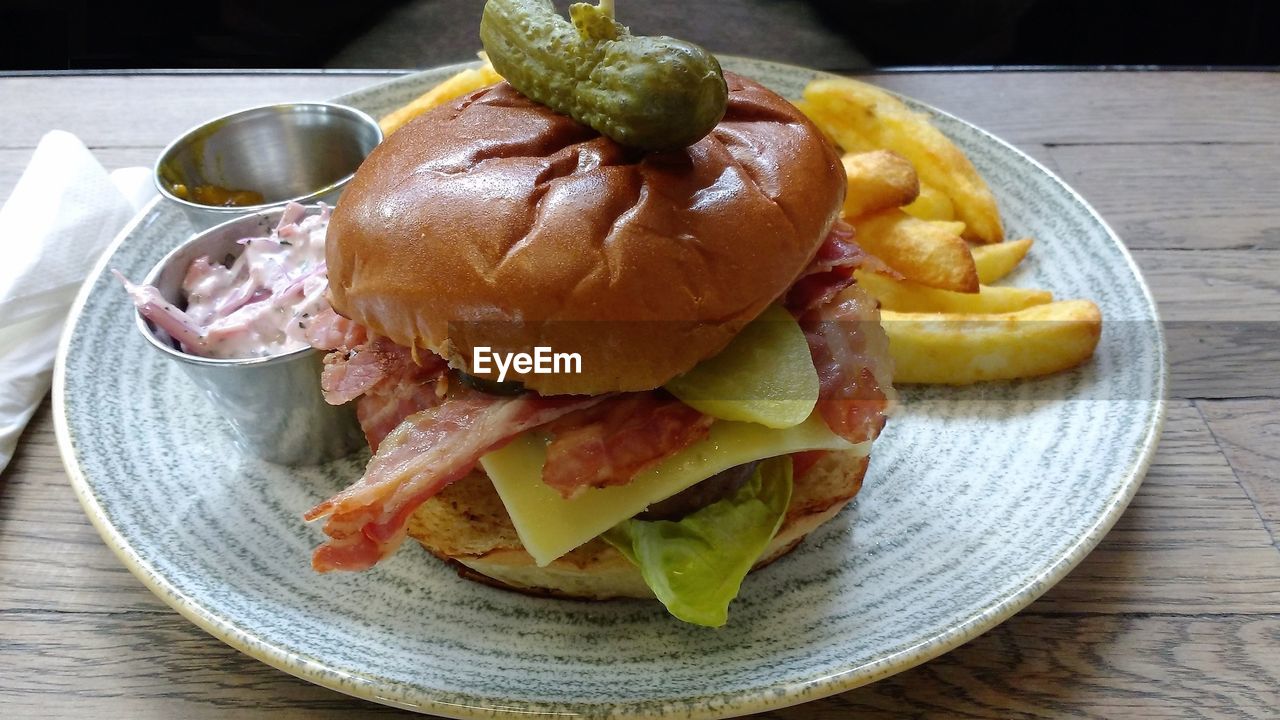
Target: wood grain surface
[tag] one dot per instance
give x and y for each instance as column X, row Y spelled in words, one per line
column 1175, row 615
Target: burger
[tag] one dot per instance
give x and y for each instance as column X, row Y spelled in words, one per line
column 722, row 377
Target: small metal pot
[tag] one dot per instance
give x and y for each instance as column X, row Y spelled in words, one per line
column 274, row 404
column 292, row 152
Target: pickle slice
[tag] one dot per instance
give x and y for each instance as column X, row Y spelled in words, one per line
column 765, row 375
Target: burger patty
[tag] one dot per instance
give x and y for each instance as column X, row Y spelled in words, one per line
column 694, row 498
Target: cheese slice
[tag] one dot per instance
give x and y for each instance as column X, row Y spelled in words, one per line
column 550, row 526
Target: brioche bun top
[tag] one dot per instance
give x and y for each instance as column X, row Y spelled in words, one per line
column 493, row 221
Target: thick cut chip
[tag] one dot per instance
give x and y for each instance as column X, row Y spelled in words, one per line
column 997, row 260
column 931, row 204
column 929, row 252
column 877, row 181
column 950, row 349
column 862, row 117
column 455, row 86
column 907, row 296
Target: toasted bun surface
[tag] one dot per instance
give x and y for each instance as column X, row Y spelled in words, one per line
column 467, row 524
column 493, row 221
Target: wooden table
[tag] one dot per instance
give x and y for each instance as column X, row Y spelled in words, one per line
column 1176, row 614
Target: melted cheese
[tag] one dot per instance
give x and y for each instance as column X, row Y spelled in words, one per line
column 550, row 526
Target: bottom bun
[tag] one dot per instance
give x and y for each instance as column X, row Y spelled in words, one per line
column 466, row 524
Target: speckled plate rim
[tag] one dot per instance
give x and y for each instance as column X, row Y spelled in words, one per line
column 316, row 671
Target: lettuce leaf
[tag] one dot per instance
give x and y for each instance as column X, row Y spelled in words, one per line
column 696, row 565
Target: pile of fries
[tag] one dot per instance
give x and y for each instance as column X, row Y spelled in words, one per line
column 922, row 209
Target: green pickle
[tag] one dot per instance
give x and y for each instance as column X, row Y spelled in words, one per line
column 650, row 93
column 764, row 376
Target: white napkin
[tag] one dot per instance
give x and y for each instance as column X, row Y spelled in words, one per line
column 62, row 214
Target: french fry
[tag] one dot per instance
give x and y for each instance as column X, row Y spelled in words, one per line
column 927, row 251
column 997, row 260
column 455, row 86
column 951, row 349
column 931, row 204
column 861, row 117
column 809, row 111
column 877, row 180
column 832, row 126
column 907, row 296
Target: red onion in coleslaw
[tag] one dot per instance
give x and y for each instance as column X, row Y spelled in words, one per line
column 260, row 304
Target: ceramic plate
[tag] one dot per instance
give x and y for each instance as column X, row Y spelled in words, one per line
column 977, row 501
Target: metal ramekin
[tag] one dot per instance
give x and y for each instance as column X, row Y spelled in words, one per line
column 302, row 152
column 274, row 404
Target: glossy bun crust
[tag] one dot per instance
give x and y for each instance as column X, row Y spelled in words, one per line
column 493, row 221
column 467, row 524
